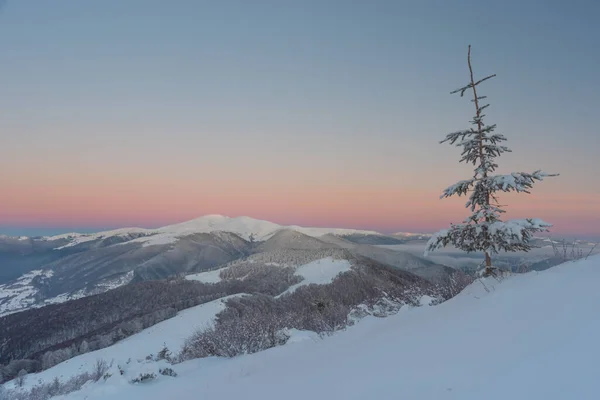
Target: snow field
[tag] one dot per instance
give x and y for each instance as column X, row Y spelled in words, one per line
column 531, row 336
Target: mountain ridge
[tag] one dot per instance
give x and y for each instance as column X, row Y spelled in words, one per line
column 246, row 227
column 71, row 265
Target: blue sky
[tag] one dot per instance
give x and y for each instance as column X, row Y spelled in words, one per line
column 129, row 100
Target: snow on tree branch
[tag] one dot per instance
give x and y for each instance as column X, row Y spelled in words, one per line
column 515, row 182
column 459, row 188
column 513, row 235
column 483, row 230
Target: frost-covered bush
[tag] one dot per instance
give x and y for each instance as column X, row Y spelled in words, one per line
column 167, row 372
column 456, row 282
column 144, row 377
column 245, row 327
column 164, row 354
column 11, row 370
column 45, row 391
column 20, row 380
column 254, row 323
column 101, row 367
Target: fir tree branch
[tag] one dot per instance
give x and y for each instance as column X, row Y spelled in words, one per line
column 484, row 230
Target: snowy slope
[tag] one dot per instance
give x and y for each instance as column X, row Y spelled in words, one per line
column 24, row 293
column 243, row 226
column 77, row 238
column 531, row 336
column 320, row 272
column 21, row 293
column 206, row 277
column 173, row 332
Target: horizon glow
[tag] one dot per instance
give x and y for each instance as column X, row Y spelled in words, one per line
column 316, row 113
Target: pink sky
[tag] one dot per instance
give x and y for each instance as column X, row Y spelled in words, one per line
column 117, row 115
column 116, row 201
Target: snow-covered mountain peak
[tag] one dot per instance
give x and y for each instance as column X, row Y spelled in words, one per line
column 77, row 238
column 246, row 227
column 243, row 226
column 411, row 234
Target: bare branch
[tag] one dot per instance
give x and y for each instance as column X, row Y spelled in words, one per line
column 591, row 250
column 484, row 79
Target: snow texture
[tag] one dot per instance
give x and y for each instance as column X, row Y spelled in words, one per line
column 531, row 336
column 206, row 277
column 320, row 272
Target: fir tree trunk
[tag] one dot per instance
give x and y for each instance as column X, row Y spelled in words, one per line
column 482, row 158
column 488, row 264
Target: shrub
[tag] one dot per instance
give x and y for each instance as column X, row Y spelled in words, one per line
column 254, row 323
column 248, row 325
column 54, row 387
column 570, row 251
column 167, row 372
column 20, row 381
column 11, row 370
column 145, row 377
column 100, row 369
column 45, row 391
column 164, row 354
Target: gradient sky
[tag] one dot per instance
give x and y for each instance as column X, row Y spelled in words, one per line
column 325, row 113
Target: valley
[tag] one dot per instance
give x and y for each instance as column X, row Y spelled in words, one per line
column 71, row 266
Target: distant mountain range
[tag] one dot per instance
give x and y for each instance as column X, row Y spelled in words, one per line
column 36, row 271
column 245, row 227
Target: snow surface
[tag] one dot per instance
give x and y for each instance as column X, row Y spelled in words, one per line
column 20, row 294
column 206, row 277
column 320, row 272
column 531, row 336
column 173, row 332
column 243, row 226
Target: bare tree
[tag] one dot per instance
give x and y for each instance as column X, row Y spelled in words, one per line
column 100, row 368
column 20, row 380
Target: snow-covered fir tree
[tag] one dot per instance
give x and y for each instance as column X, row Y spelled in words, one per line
column 484, row 229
